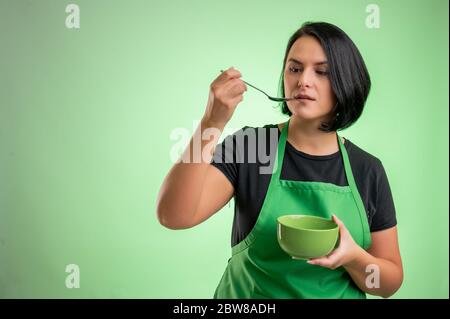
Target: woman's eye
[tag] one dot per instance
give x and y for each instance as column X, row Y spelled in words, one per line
column 322, row 72
column 293, row 69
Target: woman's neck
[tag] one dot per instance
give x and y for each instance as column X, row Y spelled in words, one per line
column 307, row 138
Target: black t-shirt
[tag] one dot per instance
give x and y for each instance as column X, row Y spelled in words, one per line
column 246, row 158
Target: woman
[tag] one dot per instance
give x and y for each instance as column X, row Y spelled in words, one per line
column 319, row 173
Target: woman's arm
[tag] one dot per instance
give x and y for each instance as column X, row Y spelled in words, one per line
column 384, row 254
column 193, row 189
column 382, row 258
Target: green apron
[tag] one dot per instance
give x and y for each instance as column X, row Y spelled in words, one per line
column 259, row 268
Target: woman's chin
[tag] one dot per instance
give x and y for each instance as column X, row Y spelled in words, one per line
column 303, row 114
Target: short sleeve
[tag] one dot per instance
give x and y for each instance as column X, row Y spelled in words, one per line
column 224, row 159
column 385, row 215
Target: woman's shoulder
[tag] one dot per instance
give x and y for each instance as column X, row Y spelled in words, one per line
column 361, row 158
column 253, row 136
column 248, row 130
column 256, row 128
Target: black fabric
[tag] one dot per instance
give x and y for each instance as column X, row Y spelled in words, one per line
column 250, row 185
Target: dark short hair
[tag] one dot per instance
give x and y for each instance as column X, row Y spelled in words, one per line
column 350, row 80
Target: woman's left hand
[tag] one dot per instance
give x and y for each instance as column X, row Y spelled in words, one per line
column 346, row 253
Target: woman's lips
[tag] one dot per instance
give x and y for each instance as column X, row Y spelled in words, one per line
column 304, row 100
column 303, row 97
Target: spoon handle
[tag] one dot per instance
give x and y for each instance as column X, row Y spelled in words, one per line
column 257, row 89
column 277, row 99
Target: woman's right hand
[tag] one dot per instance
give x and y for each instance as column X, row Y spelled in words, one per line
column 225, row 93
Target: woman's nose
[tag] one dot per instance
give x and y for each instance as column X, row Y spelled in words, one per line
column 304, row 79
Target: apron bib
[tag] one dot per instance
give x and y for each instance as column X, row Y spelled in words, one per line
column 259, row 268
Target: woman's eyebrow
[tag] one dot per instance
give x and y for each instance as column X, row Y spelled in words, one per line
column 300, row 62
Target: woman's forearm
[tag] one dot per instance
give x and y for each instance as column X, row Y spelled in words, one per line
column 375, row 276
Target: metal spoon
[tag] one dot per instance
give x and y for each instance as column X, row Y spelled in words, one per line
column 276, row 99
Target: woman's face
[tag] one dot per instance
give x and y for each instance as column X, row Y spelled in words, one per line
column 306, row 73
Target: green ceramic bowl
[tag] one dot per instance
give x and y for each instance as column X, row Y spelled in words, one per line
column 306, row 237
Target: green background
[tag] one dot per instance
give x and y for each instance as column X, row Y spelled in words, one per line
column 86, row 116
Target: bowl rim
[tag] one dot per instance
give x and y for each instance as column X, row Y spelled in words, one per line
column 308, row 229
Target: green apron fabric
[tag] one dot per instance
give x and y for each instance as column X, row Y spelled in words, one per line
column 259, row 268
